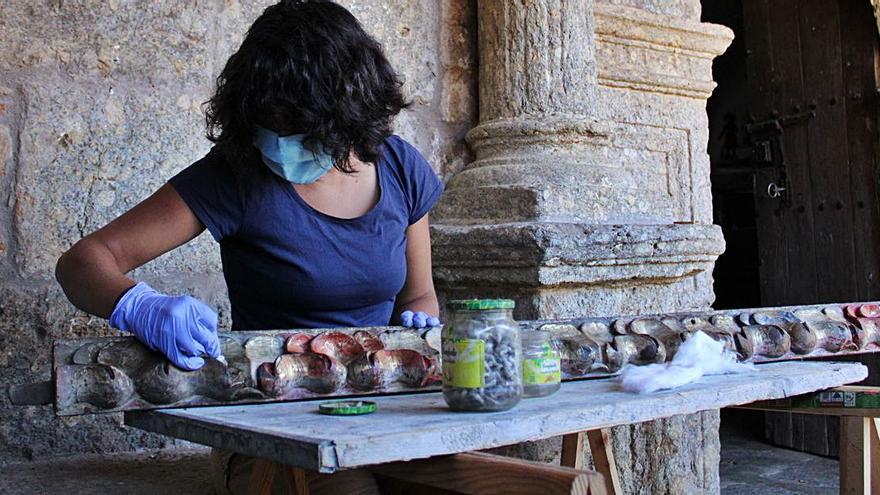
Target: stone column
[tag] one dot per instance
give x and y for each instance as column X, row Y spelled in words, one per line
column 589, row 191
column 537, row 83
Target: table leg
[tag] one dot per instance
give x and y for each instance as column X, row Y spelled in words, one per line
column 603, row 459
column 262, row 475
column 875, row 455
column 573, row 450
column 296, row 482
column 855, row 455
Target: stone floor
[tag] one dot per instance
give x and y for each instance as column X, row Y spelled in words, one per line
column 752, row 467
column 166, row 473
column 748, row 467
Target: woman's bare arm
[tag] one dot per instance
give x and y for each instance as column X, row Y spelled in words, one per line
column 418, row 292
column 92, row 272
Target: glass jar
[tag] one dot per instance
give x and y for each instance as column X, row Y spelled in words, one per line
column 482, row 356
column 542, row 364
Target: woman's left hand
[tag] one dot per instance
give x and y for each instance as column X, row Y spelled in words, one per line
column 419, row 319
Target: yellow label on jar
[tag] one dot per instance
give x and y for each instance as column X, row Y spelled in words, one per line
column 544, row 369
column 464, row 363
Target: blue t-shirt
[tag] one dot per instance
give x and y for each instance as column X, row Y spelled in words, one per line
column 288, row 265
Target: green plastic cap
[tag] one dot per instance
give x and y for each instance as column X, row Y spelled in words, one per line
column 347, row 407
column 480, row 304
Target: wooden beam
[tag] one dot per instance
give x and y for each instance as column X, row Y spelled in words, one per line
column 822, row 411
column 296, row 482
column 262, row 476
column 874, row 434
column 486, row 474
column 864, row 403
column 603, row 459
column 573, row 450
column 855, row 455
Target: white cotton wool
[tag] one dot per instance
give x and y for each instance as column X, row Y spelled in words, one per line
column 697, row 356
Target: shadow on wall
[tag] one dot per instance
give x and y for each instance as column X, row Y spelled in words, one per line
column 736, row 271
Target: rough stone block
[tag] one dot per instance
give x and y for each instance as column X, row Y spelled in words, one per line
column 458, row 61
column 677, row 455
column 30, row 320
column 144, row 40
column 89, row 154
column 576, row 261
column 458, row 99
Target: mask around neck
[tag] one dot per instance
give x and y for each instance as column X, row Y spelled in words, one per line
column 288, row 158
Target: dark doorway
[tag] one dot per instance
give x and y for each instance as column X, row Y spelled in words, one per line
column 793, row 144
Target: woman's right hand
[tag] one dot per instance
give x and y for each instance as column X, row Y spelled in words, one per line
column 180, row 327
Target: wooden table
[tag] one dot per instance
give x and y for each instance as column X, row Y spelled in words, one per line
column 416, row 426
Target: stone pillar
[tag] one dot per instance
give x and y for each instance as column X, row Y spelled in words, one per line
column 589, row 192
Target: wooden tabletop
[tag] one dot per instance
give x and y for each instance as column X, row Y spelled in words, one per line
column 419, row 425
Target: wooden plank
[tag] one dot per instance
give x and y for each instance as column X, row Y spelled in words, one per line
column 874, row 435
column 855, row 455
column 816, row 434
column 421, row 426
column 296, row 450
column 262, row 476
column 297, row 482
column 859, row 99
column 862, row 401
column 603, row 459
column 778, row 427
column 825, row 411
column 487, row 474
column 572, row 450
column 833, row 436
column 830, row 177
column 772, row 252
column 799, row 286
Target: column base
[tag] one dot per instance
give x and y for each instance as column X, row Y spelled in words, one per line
column 558, row 270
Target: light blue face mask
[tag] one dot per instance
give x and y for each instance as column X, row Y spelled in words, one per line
column 289, row 159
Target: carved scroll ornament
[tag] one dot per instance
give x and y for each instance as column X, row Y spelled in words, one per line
column 113, row 374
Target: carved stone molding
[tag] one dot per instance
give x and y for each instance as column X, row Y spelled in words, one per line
column 560, row 254
column 641, row 51
column 564, row 168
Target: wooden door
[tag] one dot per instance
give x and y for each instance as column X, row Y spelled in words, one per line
column 813, row 128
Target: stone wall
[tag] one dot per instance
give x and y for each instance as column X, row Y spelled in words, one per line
column 100, row 104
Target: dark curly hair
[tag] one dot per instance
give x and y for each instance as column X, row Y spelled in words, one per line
column 307, row 67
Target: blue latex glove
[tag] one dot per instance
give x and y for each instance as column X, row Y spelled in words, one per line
column 180, row 327
column 419, row 319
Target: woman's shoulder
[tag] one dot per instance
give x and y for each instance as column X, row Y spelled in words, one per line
column 217, row 189
column 222, row 167
column 417, row 179
column 404, row 158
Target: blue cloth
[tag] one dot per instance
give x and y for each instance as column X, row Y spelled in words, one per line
column 288, row 265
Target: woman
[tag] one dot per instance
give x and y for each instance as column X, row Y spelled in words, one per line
column 320, row 212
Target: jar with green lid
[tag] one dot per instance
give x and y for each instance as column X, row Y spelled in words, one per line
column 542, row 364
column 482, row 356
